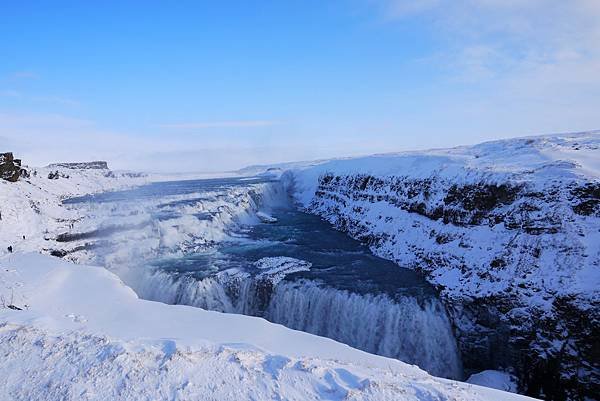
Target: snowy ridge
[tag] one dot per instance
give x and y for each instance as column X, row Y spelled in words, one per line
column 508, row 230
column 374, row 190
column 129, row 349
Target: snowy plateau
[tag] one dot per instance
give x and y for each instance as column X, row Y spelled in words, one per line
column 507, row 232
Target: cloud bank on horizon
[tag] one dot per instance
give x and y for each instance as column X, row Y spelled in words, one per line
column 193, row 87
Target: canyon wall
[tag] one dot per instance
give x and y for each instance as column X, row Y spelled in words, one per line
column 508, row 231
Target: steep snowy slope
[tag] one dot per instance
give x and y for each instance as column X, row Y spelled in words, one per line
column 509, row 231
column 30, row 207
column 76, row 332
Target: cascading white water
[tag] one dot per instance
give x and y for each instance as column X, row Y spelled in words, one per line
column 156, row 285
column 402, row 329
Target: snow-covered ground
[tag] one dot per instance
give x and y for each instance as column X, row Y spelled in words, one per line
column 494, row 379
column 77, row 332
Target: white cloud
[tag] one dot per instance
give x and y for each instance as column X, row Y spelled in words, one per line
column 55, row 100
column 24, row 75
column 514, row 33
column 10, row 93
column 50, row 99
column 399, row 8
column 43, row 138
column 221, row 124
column 22, row 122
column 537, row 58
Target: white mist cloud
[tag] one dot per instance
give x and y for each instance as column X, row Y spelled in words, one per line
column 49, row 99
column 43, row 138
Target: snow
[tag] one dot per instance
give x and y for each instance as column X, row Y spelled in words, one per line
column 544, row 164
column 276, row 268
column 494, row 379
column 77, row 332
column 266, row 218
column 375, row 324
column 507, row 229
column 563, row 156
column 173, row 224
column 82, row 334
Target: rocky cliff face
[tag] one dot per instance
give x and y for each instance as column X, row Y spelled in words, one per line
column 10, row 168
column 514, row 249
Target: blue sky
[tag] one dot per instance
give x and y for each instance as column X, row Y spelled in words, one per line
column 210, row 86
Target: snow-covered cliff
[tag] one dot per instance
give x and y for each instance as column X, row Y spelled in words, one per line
column 509, row 231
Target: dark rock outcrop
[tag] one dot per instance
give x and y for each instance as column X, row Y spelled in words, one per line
column 10, row 168
column 55, row 175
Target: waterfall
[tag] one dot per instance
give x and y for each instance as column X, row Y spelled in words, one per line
column 157, row 285
column 188, row 223
column 414, row 332
column 401, row 329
